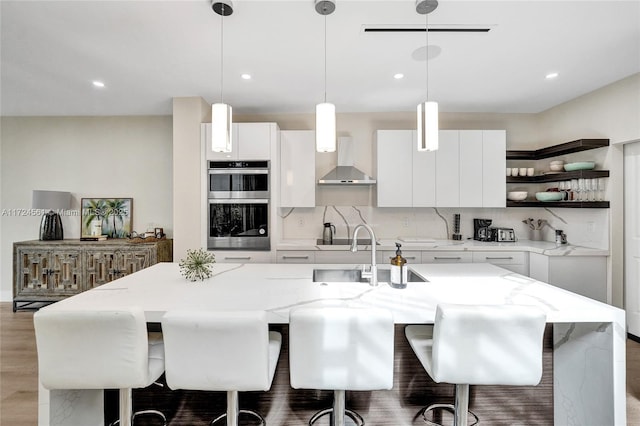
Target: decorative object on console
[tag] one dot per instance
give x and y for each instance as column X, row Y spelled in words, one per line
column 325, row 112
column 428, row 110
column 51, row 224
column 221, row 113
column 114, row 214
column 197, row 265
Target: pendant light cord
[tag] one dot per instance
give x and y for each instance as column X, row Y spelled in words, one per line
column 222, row 55
column 325, row 59
column 426, row 51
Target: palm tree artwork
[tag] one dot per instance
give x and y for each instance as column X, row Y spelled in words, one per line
column 114, row 214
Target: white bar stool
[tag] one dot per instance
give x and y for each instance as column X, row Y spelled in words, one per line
column 228, row 351
column 340, row 349
column 105, row 349
column 479, row 345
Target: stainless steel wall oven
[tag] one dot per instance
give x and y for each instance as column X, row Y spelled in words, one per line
column 238, row 205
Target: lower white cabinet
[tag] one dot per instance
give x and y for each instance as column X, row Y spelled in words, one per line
column 516, row 261
column 412, row 256
column 447, row 257
column 232, row 256
column 584, row 275
column 343, row 256
column 296, row 256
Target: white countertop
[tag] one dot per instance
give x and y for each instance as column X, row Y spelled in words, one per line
column 278, row 287
column 540, row 247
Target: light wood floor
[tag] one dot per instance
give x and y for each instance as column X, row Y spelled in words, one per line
column 19, row 375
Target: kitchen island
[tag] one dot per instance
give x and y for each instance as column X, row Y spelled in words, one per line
column 588, row 336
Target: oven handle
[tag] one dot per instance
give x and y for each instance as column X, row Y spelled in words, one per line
column 238, row 171
column 238, row 201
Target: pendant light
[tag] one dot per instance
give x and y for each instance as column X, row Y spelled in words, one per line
column 325, row 112
column 221, row 114
column 428, row 110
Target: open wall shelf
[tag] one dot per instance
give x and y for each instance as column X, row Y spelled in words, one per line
column 561, row 149
column 559, row 177
column 563, row 204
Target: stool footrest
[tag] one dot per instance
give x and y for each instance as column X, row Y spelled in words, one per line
column 249, row 412
column 449, row 407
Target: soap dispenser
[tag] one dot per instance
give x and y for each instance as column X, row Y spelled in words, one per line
column 398, row 277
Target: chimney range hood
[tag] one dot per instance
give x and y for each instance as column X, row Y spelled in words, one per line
column 345, row 173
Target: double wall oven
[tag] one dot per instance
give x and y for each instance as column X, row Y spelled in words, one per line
column 238, row 202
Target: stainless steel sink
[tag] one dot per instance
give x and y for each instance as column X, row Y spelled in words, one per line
column 355, row 276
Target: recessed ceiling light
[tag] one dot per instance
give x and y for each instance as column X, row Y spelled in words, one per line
column 97, row 83
column 246, row 76
column 551, row 75
column 398, row 76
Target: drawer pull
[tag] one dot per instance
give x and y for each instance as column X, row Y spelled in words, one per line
column 499, row 258
column 447, row 258
column 295, row 257
column 410, row 257
column 237, row 258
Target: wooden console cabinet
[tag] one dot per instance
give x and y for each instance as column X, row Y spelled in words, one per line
column 48, row 271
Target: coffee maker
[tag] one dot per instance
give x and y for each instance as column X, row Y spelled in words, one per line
column 481, row 230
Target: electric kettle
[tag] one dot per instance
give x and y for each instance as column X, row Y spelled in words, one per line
column 327, row 233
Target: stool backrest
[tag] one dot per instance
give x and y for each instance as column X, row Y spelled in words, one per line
column 488, row 344
column 216, row 350
column 105, row 349
column 341, row 348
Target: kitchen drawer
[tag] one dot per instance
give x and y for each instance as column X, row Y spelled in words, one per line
column 516, row 261
column 413, row 257
column 446, row 257
column 243, row 256
column 343, row 256
column 296, row 256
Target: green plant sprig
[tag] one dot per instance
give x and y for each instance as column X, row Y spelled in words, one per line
column 198, row 265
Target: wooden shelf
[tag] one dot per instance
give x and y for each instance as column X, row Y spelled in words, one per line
column 561, row 149
column 563, row 204
column 559, row 177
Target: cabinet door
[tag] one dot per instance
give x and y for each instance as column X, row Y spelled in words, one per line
column 232, row 256
column 297, row 168
column 413, row 256
column 47, row 272
column 254, row 141
column 295, row 256
column 471, row 168
column 448, row 170
column 394, row 168
column 494, row 187
column 516, row 261
column 221, row 156
column 429, row 256
column 424, row 176
column 343, row 256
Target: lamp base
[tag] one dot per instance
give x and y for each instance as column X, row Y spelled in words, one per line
column 51, row 227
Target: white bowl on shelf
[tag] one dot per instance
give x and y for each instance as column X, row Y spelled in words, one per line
column 557, row 162
column 556, row 167
column 517, row 195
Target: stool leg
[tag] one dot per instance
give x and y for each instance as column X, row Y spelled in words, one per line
column 125, row 407
column 233, row 408
column 337, row 417
column 462, row 405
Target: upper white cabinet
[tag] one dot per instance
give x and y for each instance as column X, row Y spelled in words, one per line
column 297, row 168
column 467, row 170
column 251, row 141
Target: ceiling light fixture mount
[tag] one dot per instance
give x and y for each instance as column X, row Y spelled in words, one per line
column 427, row 112
column 325, row 112
column 221, row 113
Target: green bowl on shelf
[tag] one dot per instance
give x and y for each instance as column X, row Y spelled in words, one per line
column 583, row 165
column 549, row 196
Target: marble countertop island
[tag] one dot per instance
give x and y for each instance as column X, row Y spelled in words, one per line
column 589, row 336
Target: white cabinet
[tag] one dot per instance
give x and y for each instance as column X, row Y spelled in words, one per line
column 297, row 168
column 447, row 257
column 232, row 256
column 467, row 170
column 251, row 141
column 516, row 261
column 342, row 256
column 584, row 275
column 413, row 256
column 295, row 256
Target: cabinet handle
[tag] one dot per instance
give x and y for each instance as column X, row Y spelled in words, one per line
column 295, row 257
column 446, row 258
column 237, row 258
column 410, row 257
column 498, row 258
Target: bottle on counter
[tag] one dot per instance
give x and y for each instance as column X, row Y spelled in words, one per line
column 398, row 277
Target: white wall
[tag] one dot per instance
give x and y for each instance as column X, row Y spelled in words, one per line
column 89, row 157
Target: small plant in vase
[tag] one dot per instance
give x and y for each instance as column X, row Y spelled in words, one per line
column 198, row 265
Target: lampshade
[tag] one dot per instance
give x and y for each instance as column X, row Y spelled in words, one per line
column 221, row 128
column 325, row 127
column 54, row 201
column 428, row 126
column 51, row 200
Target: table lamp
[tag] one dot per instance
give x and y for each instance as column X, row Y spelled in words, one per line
column 54, row 201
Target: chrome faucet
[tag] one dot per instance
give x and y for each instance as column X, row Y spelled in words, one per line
column 373, row 274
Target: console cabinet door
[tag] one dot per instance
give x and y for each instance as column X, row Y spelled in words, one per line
column 47, row 272
column 103, row 266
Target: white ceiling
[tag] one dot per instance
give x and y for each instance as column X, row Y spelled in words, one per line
column 149, row 51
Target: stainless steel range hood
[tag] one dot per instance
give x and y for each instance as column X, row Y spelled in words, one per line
column 346, row 173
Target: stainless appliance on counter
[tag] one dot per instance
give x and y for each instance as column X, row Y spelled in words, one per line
column 238, row 205
column 481, row 229
column 502, row 235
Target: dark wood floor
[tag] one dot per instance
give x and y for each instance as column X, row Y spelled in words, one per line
column 285, row 406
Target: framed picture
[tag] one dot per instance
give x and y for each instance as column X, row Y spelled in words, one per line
column 112, row 217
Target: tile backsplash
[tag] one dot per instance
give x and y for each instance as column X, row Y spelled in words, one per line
column 585, row 227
